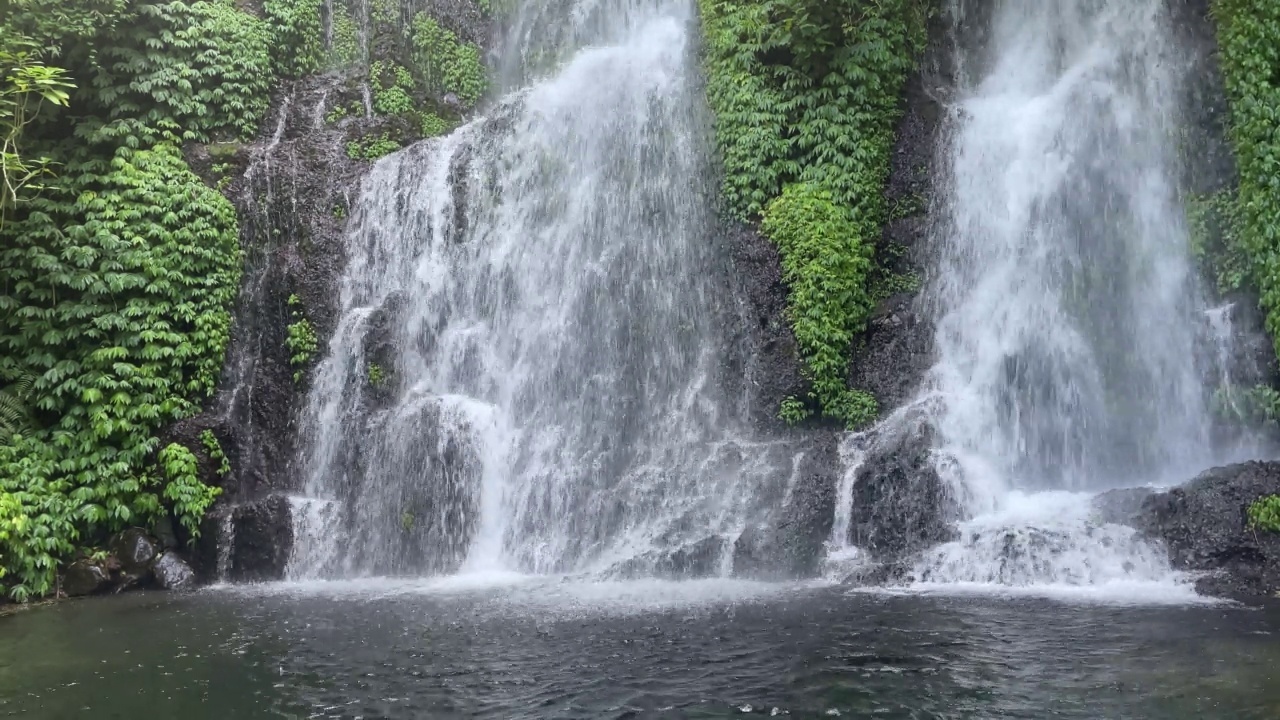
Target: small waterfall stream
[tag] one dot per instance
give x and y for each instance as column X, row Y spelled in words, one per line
column 524, row 373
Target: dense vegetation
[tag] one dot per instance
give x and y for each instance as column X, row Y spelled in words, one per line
column 1249, row 52
column 806, row 94
column 118, row 265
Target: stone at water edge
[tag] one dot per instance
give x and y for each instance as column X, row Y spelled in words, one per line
column 900, row 504
column 1204, row 525
column 84, row 577
column 136, row 552
column 173, row 573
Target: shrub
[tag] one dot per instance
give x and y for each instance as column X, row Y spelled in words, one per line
column 1264, row 514
column 825, row 266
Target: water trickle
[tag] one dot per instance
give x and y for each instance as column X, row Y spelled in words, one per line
column 1065, row 300
column 524, row 371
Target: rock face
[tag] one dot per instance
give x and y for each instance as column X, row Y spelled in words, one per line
column 791, row 543
column 1205, row 527
column 900, row 504
column 261, row 540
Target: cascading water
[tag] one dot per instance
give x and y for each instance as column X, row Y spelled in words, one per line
column 1065, row 301
column 524, row 375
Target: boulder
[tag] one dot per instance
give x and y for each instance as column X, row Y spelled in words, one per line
column 136, row 552
column 1204, row 525
column 900, row 503
column 85, row 577
column 261, row 540
column 173, row 573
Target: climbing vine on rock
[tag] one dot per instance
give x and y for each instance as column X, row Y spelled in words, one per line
column 297, row 35
column 825, row 266
column 806, row 95
column 1249, row 52
column 447, row 64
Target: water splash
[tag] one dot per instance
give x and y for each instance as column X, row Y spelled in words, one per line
column 539, row 295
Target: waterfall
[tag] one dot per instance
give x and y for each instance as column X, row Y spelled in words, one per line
column 1065, row 301
column 524, row 375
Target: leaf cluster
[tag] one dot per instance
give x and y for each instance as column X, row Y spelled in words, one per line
column 1264, row 514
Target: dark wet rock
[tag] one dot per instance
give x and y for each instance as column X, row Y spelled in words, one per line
column 261, row 540
column 173, row 573
column 764, row 355
column 1121, row 507
column 879, row 574
column 897, row 352
column 696, row 560
column 1204, row 525
column 85, row 577
column 136, row 552
column 792, row 543
column 900, row 503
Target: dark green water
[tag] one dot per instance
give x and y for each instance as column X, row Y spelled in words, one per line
column 575, row 650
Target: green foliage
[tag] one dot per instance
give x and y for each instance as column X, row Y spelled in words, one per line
column 1264, row 514
column 1249, row 51
column 344, row 48
column 825, row 265
column 376, row 376
column 301, row 340
column 189, row 496
column 434, row 126
column 1260, row 404
column 793, row 411
column 214, row 449
column 372, row 147
column 196, row 71
column 297, row 36
column 806, row 95
column 114, row 297
column 384, row 12
column 392, row 88
column 447, row 64
column 1212, row 222
column 807, row 91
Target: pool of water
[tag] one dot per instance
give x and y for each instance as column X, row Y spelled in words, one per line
column 511, row 647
